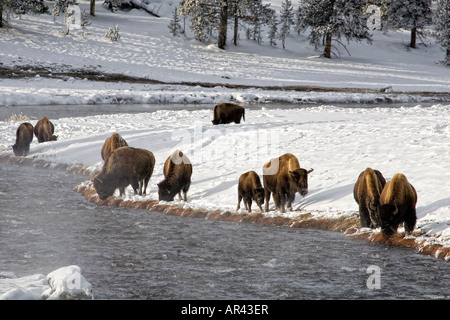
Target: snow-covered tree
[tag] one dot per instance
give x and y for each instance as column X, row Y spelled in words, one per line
column 286, row 20
column 60, row 6
column 442, row 26
column 409, row 14
column 273, row 29
column 258, row 15
column 332, row 20
column 203, row 17
column 174, row 24
column 21, row 7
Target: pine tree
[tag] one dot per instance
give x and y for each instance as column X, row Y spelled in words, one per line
column 409, row 14
column 286, row 20
column 174, row 25
column 442, row 26
column 60, row 6
column 203, row 17
column 332, row 20
column 273, row 29
column 21, row 7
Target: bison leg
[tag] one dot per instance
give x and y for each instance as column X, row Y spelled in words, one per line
column 136, row 187
column 121, row 191
column 364, row 217
column 290, row 199
column 266, row 199
column 249, row 205
column 239, row 202
column 410, row 221
column 185, row 190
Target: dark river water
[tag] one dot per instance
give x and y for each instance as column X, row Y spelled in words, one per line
column 137, row 254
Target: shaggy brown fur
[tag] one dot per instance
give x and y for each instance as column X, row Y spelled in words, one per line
column 112, row 143
column 283, row 177
column 24, row 136
column 177, row 174
column 227, row 113
column 125, row 166
column 250, row 188
column 398, row 204
column 44, row 129
column 367, row 192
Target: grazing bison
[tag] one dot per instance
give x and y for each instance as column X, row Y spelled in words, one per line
column 398, row 204
column 227, row 113
column 44, row 129
column 367, row 192
column 177, row 174
column 112, row 143
column 125, row 166
column 250, row 188
column 24, row 136
column 283, row 177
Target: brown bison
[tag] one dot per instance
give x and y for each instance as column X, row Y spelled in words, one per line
column 283, row 177
column 177, row 174
column 227, row 113
column 112, row 143
column 125, row 166
column 24, row 136
column 44, row 129
column 367, row 192
column 250, row 188
column 398, row 204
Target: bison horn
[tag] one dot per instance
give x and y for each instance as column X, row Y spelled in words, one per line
column 309, row 171
column 395, row 211
column 99, row 180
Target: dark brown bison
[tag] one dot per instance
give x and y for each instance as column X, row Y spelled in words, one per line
column 44, row 129
column 250, row 188
column 227, row 113
column 398, row 204
column 125, row 166
column 112, row 143
column 283, row 177
column 367, row 192
column 24, row 136
column 177, row 174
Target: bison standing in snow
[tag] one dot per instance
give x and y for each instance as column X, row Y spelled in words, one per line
column 227, row 113
column 250, row 188
column 44, row 129
column 24, row 136
column 398, row 204
column 283, row 177
column 177, row 174
column 367, row 192
column 125, row 166
column 112, row 143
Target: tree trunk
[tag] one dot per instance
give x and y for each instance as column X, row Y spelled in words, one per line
column 222, row 41
column 447, row 56
column 1, row 16
column 92, row 7
column 328, row 46
column 413, row 37
column 236, row 28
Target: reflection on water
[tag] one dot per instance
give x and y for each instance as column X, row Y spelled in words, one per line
column 137, row 254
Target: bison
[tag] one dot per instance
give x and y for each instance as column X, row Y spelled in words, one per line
column 112, row 143
column 227, row 113
column 125, row 166
column 398, row 204
column 177, row 174
column 24, row 136
column 44, row 129
column 367, row 192
column 283, row 177
column 250, row 188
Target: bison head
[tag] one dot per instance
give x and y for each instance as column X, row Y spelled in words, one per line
column 20, row 150
column 300, row 179
column 258, row 196
column 165, row 192
column 104, row 189
column 388, row 218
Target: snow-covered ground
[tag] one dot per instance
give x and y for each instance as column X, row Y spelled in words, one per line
column 337, row 141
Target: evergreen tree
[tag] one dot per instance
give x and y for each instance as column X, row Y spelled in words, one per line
column 409, row 14
column 60, row 6
column 21, row 7
column 332, row 20
column 286, row 20
column 203, row 17
column 273, row 29
column 174, row 25
column 442, row 26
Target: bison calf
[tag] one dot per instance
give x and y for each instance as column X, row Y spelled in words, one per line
column 283, row 177
column 24, row 136
column 177, row 174
column 398, row 204
column 112, row 143
column 125, row 166
column 250, row 188
column 227, row 113
column 44, row 129
column 367, row 192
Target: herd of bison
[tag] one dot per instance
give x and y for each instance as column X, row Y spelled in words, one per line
column 381, row 204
